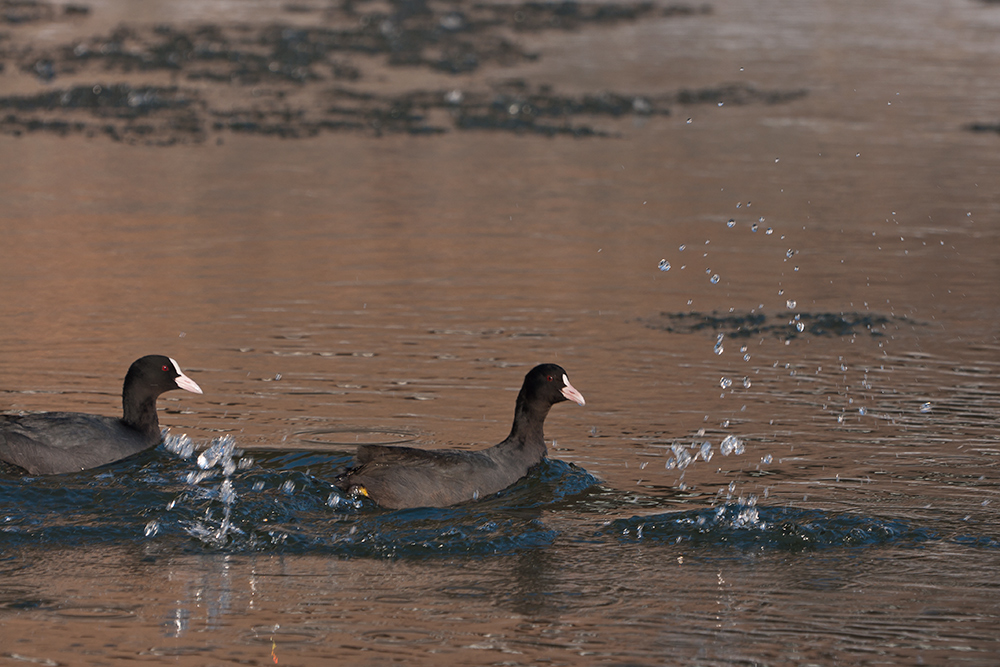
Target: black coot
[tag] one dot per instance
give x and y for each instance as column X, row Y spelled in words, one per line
column 398, row 477
column 49, row 443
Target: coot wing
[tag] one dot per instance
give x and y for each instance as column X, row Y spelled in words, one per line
column 393, row 454
column 60, row 442
column 397, row 477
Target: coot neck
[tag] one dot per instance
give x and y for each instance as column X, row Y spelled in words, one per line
column 139, row 409
column 529, row 420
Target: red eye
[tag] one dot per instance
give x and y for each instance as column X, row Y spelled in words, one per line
column 549, row 378
column 164, row 369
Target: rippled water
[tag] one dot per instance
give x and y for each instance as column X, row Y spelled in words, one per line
column 761, row 238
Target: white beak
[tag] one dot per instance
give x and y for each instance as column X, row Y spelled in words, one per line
column 570, row 392
column 183, row 381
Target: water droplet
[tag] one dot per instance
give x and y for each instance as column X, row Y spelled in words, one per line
column 800, row 326
column 718, row 344
column 682, row 247
column 714, row 279
column 706, row 451
column 288, row 486
column 769, row 231
column 152, row 528
column 790, row 304
column 731, row 223
column 688, row 121
column 181, row 445
column 731, row 445
column 746, row 382
column 219, row 450
column 790, row 253
column 857, row 155
column 862, row 411
column 226, row 492
column 684, row 458
column 746, row 357
column 753, row 227
column 725, row 383
column 766, row 459
column 925, row 408
column 664, row 265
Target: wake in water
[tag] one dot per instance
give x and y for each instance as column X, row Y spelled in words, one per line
column 220, row 499
column 744, row 527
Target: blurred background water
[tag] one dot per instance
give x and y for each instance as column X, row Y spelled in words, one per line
column 760, row 236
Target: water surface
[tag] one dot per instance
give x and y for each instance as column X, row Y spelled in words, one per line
column 340, row 258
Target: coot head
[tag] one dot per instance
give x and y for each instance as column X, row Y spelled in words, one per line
column 155, row 374
column 549, row 383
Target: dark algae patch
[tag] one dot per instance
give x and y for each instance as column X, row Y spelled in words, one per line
column 310, row 70
column 984, row 127
column 782, row 325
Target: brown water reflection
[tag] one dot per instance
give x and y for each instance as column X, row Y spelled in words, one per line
column 355, row 282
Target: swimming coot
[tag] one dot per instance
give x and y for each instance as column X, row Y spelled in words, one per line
column 49, row 443
column 398, row 477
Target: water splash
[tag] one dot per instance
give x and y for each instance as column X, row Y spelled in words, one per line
column 220, row 457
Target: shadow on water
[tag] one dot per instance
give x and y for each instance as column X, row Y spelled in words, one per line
column 221, row 500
